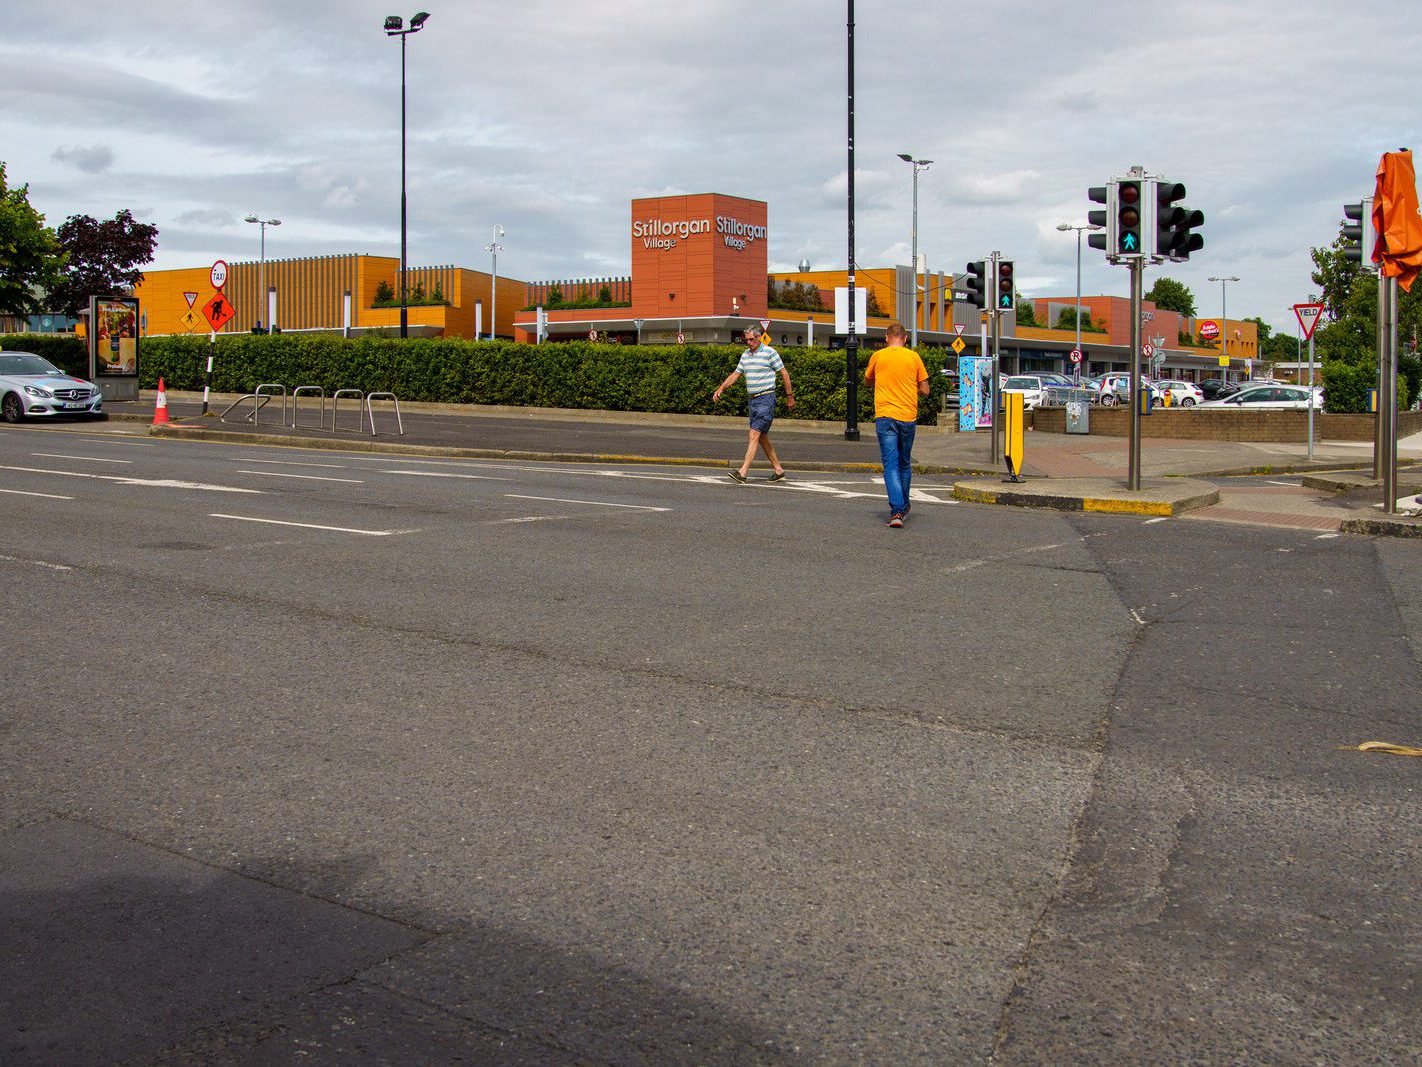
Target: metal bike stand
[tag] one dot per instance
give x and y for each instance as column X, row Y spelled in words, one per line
column 272, row 386
column 260, row 402
column 312, row 390
column 383, row 396
column 336, row 407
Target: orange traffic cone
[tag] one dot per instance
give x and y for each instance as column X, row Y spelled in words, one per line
column 160, row 411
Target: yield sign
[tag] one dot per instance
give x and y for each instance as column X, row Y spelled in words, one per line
column 958, row 328
column 218, row 311
column 1308, row 318
column 191, row 298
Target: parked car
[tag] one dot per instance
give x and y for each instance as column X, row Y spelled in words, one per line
column 1214, row 388
column 1281, row 397
column 1182, row 394
column 1115, row 386
column 32, row 385
column 1029, row 385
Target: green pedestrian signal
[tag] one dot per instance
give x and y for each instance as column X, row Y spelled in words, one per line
column 1128, row 218
column 1005, row 287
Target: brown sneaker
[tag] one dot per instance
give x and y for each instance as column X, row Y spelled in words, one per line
column 737, row 476
column 896, row 519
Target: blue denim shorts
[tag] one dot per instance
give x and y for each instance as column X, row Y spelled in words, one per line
column 762, row 412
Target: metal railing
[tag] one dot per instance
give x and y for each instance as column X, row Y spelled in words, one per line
column 336, row 406
column 259, row 402
column 1059, row 396
column 313, row 390
column 371, row 414
column 259, row 392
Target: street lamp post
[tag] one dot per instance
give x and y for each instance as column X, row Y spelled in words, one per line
column 1224, row 325
column 395, row 27
column 1064, row 226
column 262, row 268
column 918, row 165
column 494, row 248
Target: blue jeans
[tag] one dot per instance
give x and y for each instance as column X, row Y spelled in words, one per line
column 896, row 448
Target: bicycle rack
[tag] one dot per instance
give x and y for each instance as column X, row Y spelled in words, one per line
column 336, row 407
column 313, row 390
column 258, row 392
column 383, row 396
column 261, row 402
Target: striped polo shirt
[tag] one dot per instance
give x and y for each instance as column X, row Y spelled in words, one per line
column 760, row 368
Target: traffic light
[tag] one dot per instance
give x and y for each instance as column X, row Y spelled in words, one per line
column 976, row 283
column 1004, row 286
column 1359, row 239
column 1129, row 207
column 1105, row 218
column 1174, row 223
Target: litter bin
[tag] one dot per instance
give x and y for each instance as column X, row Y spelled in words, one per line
column 1078, row 416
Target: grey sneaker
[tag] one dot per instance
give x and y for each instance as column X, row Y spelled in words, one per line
column 780, row 477
column 737, row 476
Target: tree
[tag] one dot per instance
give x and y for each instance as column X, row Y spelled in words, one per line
column 384, row 293
column 1335, row 275
column 30, row 258
column 1026, row 312
column 102, row 258
column 1067, row 321
column 1170, row 295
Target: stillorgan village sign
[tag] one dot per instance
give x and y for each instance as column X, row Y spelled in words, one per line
column 662, row 234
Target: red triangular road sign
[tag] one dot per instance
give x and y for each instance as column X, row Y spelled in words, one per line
column 191, row 298
column 958, row 328
column 1308, row 315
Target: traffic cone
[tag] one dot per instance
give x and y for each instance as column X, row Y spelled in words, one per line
column 160, row 411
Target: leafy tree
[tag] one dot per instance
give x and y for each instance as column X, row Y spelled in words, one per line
column 1067, row 321
column 102, row 257
column 417, row 294
column 437, row 294
column 555, row 295
column 30, row 256
column 1335, row 275
column 1026, row 312
column 873, row 306
column 1170, row 295
column 604, row 295
column 384, row 293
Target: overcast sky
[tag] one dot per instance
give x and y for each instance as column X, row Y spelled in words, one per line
column 548, row 116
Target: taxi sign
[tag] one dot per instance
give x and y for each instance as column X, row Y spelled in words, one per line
column 218, row 274
column 218, row 311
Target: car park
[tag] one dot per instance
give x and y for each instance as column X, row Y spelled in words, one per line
column 1115, row 385
column 1031, row 386
column 1277, row 397
column 32, row 386
column 1214, row 388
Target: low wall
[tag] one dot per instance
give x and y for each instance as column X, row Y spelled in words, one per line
column 1183, row 424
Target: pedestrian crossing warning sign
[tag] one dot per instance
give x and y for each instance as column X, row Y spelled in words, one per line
column 190, row 319
column 958, row 345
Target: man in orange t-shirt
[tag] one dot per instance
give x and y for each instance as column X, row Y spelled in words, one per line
column 899, row 378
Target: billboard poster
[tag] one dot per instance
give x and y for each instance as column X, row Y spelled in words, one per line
column 975, row 393
column 113, row 337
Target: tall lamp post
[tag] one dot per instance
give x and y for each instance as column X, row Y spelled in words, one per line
column 494, row 248
column 265, row 299
column 918, row 165
column 1064, row 226
column 1224, row 325
column 395, row 27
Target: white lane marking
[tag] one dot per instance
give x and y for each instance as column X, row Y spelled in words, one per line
column 47, row 496
column 1325, row 537
column 312, row 525
column 37, row 563
column 1150, row 522
column 303, row 477
column 448, row 474
column 1137, row 617
column 86, row 459
column 599, row 503
column 972, row 563
column 289, row 463
column 160, row 483
column 526, row 518
column 1291, row 485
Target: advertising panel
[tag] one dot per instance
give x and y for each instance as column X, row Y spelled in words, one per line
column 975, row 393
column 113, row 346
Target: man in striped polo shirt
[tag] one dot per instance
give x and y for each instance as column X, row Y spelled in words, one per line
column 759, row 363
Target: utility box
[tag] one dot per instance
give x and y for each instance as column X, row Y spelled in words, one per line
column 1078, row 416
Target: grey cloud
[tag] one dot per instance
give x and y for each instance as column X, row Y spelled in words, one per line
column 93, row 160
column 216, row 218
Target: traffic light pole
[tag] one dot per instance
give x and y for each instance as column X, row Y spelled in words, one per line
column 1133, row 468
column 851, row 343
column 1387, row 402
column 996, row 390
column 1379, row 447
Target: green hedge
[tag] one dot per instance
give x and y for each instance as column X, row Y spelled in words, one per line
column 1346, row 387
column 664, row 378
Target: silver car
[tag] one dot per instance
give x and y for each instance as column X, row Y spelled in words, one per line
column 32, row 385
column 1277, row 397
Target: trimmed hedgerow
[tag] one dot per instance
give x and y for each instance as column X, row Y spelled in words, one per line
column 582, row 374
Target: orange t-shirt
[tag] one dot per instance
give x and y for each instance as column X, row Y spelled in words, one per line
column 895, row 372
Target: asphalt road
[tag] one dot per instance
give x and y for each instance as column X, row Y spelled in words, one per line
column 332, row 758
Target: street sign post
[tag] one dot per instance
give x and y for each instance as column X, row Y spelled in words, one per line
column 1308, row 316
